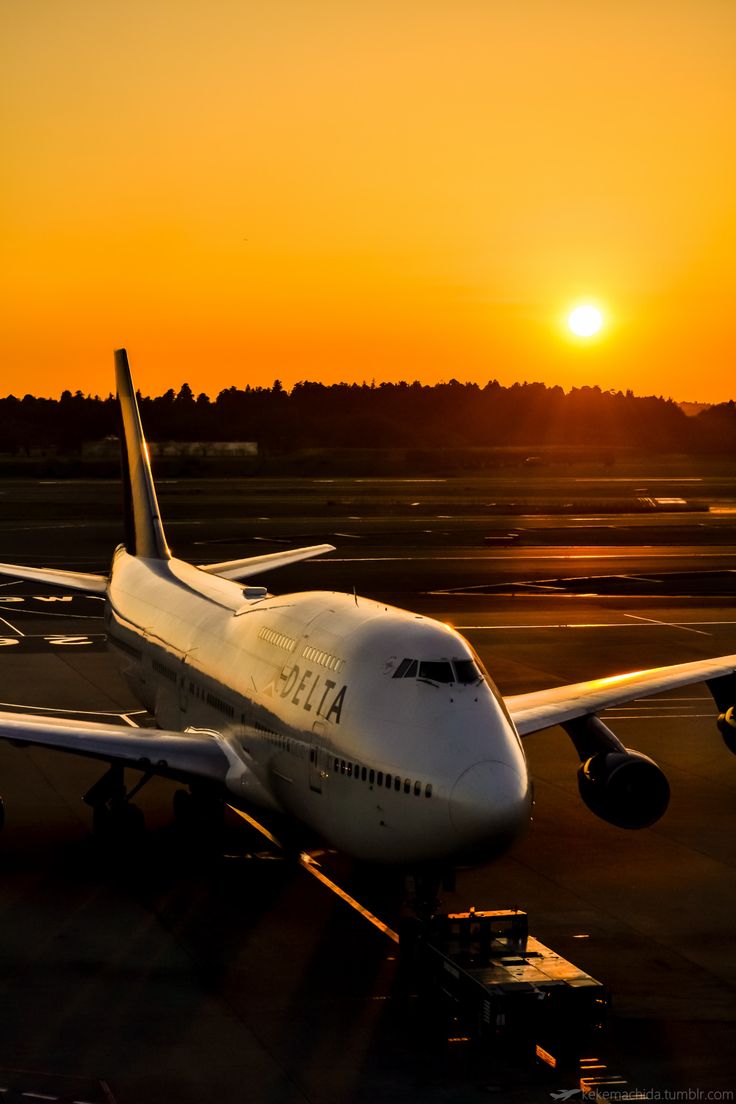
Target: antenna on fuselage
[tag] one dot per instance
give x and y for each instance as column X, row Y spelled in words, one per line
column 355, row 594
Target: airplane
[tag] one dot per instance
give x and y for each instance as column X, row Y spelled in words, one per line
column 376, row 729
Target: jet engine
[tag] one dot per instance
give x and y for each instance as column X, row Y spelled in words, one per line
column 625, row 788
column 723, row 690
column 727, row 728
column 621, row 786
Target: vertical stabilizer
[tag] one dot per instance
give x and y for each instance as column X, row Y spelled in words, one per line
column 144, row 533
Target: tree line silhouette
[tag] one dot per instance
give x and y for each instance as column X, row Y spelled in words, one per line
column 386, row 415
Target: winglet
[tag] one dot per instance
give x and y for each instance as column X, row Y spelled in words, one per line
column 144, row 532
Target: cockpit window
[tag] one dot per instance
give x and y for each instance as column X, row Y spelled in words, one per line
column 463, row 671
column 466, row 671
column 436, row 671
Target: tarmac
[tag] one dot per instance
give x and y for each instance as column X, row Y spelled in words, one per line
column 162, row 975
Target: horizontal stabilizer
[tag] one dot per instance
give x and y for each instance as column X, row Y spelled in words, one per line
column 70, row 580
column 257, row 565
column 181, row 755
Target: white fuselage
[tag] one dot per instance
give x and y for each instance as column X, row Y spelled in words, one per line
column 319, row 714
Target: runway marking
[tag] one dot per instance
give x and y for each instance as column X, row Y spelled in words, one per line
column 703, row 697
column 661, row 716
column 65, row 614
column 37, row 643
column 13, row 627
column 128, row 718
column 60, row 636
column 594, row 625
column 663, row 710
column 668, row 624
column 43, row 525
column 74, row 712
column 512, row 554
column 19, row 599
column 308, row 863
column 503, row 590
column 637, row 479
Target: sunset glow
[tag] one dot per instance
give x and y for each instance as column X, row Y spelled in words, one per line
column 368, row 191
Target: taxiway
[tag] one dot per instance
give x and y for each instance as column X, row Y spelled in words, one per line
column 168, row 977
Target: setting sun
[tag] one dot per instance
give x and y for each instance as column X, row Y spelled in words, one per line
column 585, row 320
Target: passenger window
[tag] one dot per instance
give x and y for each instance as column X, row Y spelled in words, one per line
column 342, row 766
column 372, row 777
column 349, row 769
column 397, row 783
column 337, row 765
column 428, row 790
column 379, row 778
column 417, row 788
column 364, row 774
column 388, row 781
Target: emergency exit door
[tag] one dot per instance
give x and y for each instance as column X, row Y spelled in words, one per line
column 317, row 758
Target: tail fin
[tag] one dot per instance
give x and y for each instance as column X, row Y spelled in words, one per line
column 144, row 533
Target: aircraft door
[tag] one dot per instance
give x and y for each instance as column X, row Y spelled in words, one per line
column 183, row 690
column 318, row 757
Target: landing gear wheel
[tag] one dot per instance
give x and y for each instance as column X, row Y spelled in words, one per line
column 128, row 820
column 118, row 824
column 183, row 807
column 100, row 821
column 200, row 816
column 426, row 898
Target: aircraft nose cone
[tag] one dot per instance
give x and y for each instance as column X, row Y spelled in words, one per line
column 490, row 805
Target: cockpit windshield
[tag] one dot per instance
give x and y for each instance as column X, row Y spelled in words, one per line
column 436, row 672
column 463, row 671
column 466, row 671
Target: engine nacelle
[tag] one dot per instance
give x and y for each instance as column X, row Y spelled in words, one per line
column 727, row 728
column 625, row 788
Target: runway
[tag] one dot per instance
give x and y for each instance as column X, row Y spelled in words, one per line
column 167, row 977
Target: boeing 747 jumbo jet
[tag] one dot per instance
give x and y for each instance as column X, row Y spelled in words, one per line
column 377, row 729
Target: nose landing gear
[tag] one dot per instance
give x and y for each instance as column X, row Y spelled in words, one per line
column 424, row 887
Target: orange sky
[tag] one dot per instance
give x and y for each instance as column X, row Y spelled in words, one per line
column 343, row 190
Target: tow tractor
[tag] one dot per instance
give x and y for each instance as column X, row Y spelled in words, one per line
column 484, row 980
column 498, row 986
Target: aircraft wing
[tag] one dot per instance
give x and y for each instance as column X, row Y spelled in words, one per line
column 184, row 755
column 544, row 708
column 256, row 565
column 228, row 569
column 71, row 580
